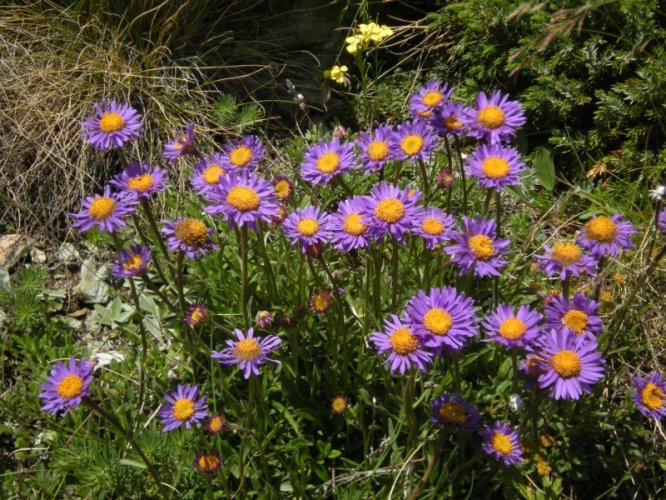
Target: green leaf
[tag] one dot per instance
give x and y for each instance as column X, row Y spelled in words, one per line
column 545, row 168
column 132, row 463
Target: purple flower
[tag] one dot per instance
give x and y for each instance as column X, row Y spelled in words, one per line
column 650, row 395
column 501, row 442
column 445, row 318
column 243, row 198
column 494, row 119
column 571, row 365
column 606, row 236
column 349, row 226
column 131, row 262
column 449, row 119
column 183, row 408
column 326, row 159
column 208, row 173
column 404, row 348
column 495, row 166
column 243, row 154
column 104, row 211
column 144, row 180
column 430, row 98
column 375, row 148
column 566, row 259
column 578, row 315
column 434, row 226
column 114, row 125
column 207, row 463
column 513, row 329
column 661, row 221
column 308, row 226
column 66, row 386
column 190, row 236
column 283, row 188
column 413, row 140
column 476, row 248
column 452, row 410
column 391, row 210
column 248, row 352
column 181, row 145
column 196, row 314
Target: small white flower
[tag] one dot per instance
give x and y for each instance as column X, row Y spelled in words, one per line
column 659, row 193
column 515, row 403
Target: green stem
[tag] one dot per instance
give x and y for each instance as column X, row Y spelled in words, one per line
column 516, row 371
column 424, row 176
column 145, row 205
column 600, row 280
column 180, row 282
column 426, row 475
column 243, row 259
column 395, row 263
column 457, row 385
column 272, row 289
column 410, row 416
column 146, row 241
column 463, row 180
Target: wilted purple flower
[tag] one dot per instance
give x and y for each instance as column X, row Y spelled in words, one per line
column 182, row 145
column 453, row 411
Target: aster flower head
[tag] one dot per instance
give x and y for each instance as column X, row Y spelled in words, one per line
column 339, row 405
column 216, row 424
column 494, row 118
column 321, row 302
column 577, row 316
column 430, row 98
column 375, row 148
column 391, row 210
column 413, row 140
column 442, row 319
column 453, row 411
column 403, row 347
column 495, row 166
column 182, row 145
column 182, row 407
column 571, row 365
column 283, row 187
column 263, row 319
column 113, row 125
column 104, row 211
column 445, row 178
column 208, row 462
column 349, row 227
column 307, row 226
column 477, row 248
column 190, row 236
column 606, row 236
column 565, row 259
column 131, row 262
column 208, row 173
column 196, row 314
column 248, row 352
column 243, row 154
column 66, row 386
column 502, row 443
column 142, row 179
column 512, row 328
column 434, row 226
column 326, row 159
column 650, row 395
column 448, row 120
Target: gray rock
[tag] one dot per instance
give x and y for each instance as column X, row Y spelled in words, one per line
column 67, row 253
column 92, row 287
column 37, row 256
column 12, row 247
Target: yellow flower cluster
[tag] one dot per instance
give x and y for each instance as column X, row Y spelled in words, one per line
column 369, row 33
column 338, row 74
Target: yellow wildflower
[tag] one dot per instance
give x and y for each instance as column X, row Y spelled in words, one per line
column 354, row 42
column 338, row 74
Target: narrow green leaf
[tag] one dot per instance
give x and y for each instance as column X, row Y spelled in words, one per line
column 545, row 168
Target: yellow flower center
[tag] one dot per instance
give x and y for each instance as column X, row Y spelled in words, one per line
column 437, row 321
column 403, row 341
column 192, row 232
column 134, row 262
column 353, row 225
column 411, row 144
column 308, row 226
column 197, row 315
column 601, row 229
column 453, row 412
column 216, row 424
column 71, row 386
column 566, row 363
column 247, row 349
column 452, row 124
column 501, row 443
column 390, row 210
column 321, row 302
column 243, row 198
column 378, row 150
column 495, row 167
column 432, row 226
column 183, row 409
column 652, row 396
column 282, row 189
column 339, row 404
column 432, row 98
column 328, row 162
column 111, row 122
column 512, row 328
column 567, row 253
column 481, row 246
column 101, row 208
column 240, row 156
column 212, row 174
column 575, row 320
column 208, row 463
column 491, row 117
column 141, row 183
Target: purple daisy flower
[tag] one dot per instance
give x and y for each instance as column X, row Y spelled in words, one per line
column 243, row 198
column 434, row 226
column 650, row 395
column 606, row 236
column 494, row 119
column 142, row 179
column 307, row 225
column 502, row 443
column 114, row 125
column 566, row 259
column 661, row 221
column 208, row 173
column 513, row 329
column 445, row 318
column 131, row 262
column 183, row 408
column 375, row 148
column 243, row 154
column 571, row 365
column 182, row 145
column 413, row 140
column 495, row 166
column 429, row 99
column 452, row 410
column 66, row 386
column 248, row 352
column 578, row 315
column 391, row 210
column 448, row 120
column 349, row 228
column 104, row 211
column 476, row 248
column 404, row 348
column 326, row 159
column 190, row 236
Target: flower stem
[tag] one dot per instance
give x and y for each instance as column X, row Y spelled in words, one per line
column 153, row 225
column 424, row 176
column 243, row 259
column 395, row 262
column 463, row 180
column 410, row 416
column 272, row 289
